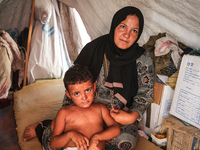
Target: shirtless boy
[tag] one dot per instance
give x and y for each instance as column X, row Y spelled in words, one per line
column 81, row 124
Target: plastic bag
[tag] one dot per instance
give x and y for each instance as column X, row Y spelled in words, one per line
column 48, row 52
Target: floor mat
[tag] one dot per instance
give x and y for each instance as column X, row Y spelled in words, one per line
column 8, row 134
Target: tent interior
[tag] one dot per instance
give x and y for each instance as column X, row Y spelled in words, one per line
column 45, row 37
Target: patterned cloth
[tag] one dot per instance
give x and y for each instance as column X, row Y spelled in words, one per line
column 46, row 138
column 171, row 81
column 128, row 138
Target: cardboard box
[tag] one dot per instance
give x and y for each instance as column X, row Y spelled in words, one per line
column 186, row 99
column 179, row 136
column 160, row 107
column 161, row 111
column 144, row 144
column 165, row 104
column 158, row 87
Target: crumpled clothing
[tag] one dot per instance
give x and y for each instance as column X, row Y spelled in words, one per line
column 163, row 46
column 162, row 62
column 166, row 45
column 149, row 46
column 170, row 69
column 16, row 57
column 11, row 60
column 5, row 71
column 195, row 52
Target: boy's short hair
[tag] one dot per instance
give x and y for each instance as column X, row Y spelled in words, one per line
column 77, row 74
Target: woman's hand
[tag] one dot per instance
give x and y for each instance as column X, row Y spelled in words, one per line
column 79, row 139
column 123, row 117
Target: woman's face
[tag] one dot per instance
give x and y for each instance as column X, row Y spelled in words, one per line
column 126, row 32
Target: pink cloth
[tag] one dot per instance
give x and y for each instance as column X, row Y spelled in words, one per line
column 163, row 46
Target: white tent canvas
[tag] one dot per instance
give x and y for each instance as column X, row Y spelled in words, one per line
column 180, row 20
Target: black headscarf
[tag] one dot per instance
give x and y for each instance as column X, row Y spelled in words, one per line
column 122, row 62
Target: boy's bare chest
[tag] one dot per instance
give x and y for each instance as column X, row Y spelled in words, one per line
column 83, row 119
column 84, row 116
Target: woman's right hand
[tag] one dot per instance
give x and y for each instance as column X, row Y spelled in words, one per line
column 79, row 139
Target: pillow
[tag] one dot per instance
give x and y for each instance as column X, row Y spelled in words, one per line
column 37, row 102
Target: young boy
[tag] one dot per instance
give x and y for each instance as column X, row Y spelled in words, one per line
column 81, row 124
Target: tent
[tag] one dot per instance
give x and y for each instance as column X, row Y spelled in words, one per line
column 54, row 27
column 177, row 19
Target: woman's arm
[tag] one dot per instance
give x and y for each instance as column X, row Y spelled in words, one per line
column 123, row 117
column 112, row 130
column 145, row 93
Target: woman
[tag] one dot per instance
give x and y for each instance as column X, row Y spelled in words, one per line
column 130, row 73
column 124, row 74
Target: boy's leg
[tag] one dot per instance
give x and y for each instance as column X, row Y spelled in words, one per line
column 35, row 130
column 29, row 132
column 41, row 127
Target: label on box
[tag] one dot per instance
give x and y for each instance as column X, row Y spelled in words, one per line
column 186, row 100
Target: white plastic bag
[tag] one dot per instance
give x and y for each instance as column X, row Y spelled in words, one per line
column 43, row 10
column 48, row 54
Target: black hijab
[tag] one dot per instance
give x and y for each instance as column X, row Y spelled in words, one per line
column 123, row 67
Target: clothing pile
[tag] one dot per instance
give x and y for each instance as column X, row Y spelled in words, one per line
column 11, row 60
column 167, row 54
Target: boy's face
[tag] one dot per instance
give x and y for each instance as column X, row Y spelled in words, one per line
column 82, row 94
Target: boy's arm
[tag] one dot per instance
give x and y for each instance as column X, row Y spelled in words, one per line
column 112, row 130
column 58, row 139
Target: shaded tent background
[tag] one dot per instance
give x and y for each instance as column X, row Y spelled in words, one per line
column 180, row 19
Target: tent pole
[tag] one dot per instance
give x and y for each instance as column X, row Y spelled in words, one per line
column 29, row 41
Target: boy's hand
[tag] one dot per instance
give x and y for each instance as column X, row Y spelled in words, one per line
column 79, row 139
column 94, row 141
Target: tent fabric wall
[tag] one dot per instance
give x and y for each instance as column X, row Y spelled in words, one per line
column 180, row 19
column 74, row 31
column 11, row 13
column 69, row 30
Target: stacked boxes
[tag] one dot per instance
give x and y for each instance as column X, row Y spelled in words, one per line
column 180, row 136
